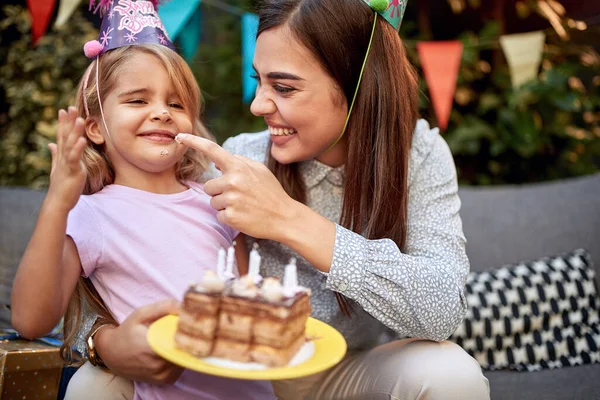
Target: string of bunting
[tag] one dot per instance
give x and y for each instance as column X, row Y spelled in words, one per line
column 440, row 60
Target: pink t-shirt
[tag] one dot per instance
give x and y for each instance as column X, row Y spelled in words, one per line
column 139, row 247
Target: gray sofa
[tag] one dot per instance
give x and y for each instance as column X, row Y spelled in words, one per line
column 503, row 225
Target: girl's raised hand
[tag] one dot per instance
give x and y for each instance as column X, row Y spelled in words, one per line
column 67, row 177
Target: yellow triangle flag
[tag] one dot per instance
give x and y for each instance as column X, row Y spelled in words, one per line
column 523, row 53
column 65, row 10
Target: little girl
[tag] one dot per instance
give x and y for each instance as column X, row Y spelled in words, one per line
column 144, row 228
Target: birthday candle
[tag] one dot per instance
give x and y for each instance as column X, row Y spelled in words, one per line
column 254, row 266
column 221, row 263
column 290, row 279
column 230, row 259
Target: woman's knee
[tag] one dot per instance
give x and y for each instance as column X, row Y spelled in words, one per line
column 94, row 383
column 438, row 370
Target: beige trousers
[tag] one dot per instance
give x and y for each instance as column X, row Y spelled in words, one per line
column 407, row 369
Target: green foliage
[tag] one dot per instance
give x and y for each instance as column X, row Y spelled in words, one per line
column 37, row 81
column 218, row 68
column 546, row 129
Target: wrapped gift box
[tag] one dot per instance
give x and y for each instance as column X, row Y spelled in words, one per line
column 29, row 370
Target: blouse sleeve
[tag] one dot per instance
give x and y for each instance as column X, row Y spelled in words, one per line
column 418, row 292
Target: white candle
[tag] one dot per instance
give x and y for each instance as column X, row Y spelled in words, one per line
column 230, row 260
column 254, row 266
column 221, row 263
column 290, row 279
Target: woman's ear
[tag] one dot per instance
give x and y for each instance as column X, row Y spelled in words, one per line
column 92, row 130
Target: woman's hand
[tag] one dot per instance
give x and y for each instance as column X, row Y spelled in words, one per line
column 247, row 196
column 68, row 175
column 126, row 352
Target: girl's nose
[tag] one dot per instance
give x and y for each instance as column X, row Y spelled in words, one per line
column 162, row 115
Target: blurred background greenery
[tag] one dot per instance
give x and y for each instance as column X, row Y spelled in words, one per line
column 546, row 129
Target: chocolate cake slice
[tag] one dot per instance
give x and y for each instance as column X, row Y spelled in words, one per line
column 199, row 316
column 280, row 322
column 236, row 317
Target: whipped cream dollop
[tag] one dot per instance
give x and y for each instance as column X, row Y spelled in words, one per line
column 211, row 283
column 271, row 290
column 244, row 287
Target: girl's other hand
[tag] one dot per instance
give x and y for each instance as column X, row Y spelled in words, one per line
column 125, row 350
column 68, row 175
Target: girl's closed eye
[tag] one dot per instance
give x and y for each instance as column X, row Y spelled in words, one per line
column 136, row 101
column 176, row 105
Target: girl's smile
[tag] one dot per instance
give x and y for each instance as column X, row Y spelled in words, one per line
column 159, row 136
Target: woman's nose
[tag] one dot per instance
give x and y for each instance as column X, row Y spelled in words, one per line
column 262, row 105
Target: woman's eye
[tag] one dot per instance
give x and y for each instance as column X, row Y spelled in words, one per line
column 283, row 89
column 137, row 101
column 176, row 105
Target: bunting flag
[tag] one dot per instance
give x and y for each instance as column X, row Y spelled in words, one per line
column 441, row 62
column 41, row 12
column 249, row 29
column 523, row 53
column 175, row 14
column 65, row 10
column 189, row 39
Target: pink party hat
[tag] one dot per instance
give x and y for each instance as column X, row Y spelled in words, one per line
column 127, row 22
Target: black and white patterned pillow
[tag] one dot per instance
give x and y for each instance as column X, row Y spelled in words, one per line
column 534, row 315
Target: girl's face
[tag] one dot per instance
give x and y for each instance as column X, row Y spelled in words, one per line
column 143, row 114
column 302, row 105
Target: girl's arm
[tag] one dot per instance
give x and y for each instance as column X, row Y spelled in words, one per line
column 46, row 277
column 49, row 269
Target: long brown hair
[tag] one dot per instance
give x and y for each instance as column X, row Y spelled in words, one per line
column 385, row 113
column 100, row 173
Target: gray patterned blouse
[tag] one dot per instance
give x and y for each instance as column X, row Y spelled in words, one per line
column 418, row 293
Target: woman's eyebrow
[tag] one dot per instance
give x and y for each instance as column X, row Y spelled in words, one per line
column 280, row 75
column 284, row 75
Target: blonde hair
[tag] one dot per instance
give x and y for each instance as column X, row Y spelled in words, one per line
column 100, row 173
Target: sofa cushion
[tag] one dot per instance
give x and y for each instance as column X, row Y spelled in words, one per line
column 573, row 383
column 533, row 315
column 18, row 212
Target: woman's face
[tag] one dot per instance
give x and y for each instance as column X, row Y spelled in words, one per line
column 303, row 107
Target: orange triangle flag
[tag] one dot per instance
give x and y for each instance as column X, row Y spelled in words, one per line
column 41, row 12
column 441, row 62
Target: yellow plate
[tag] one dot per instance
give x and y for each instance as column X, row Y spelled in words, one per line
column 329, row 348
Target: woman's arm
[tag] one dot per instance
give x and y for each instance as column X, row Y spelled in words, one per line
column 418, row 292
